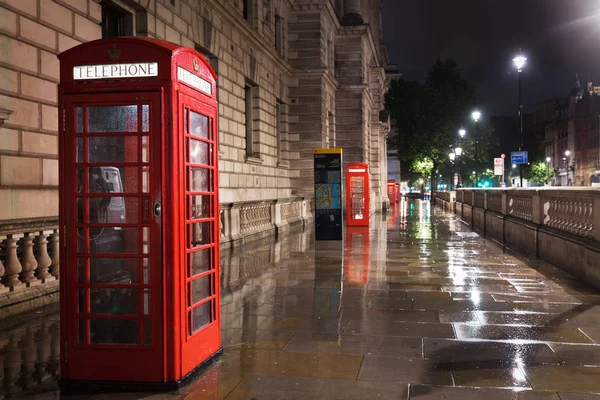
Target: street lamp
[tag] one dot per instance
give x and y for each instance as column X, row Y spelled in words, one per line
column 458, row 151
column 567, row 154
column 452, row 156
column 520, row 62
column 476, row 115
column 462, row 133
column 548, row 159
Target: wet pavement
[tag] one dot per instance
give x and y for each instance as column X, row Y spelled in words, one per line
column 416, row 307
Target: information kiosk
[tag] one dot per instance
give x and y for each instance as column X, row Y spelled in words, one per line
column 357, row 195
column 391, row 191
column 139, row 208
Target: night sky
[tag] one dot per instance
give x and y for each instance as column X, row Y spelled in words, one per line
column 559, row 37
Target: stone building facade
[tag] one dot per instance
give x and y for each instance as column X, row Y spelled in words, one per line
column 293, row 75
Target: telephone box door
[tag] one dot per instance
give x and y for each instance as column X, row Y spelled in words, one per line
column 110, row 162
column 357, row 195
column 391, row 188
column 200, row 284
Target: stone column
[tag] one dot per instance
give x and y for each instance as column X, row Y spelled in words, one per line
column 352, row 13
column 28, row 262
column 11, row 263
column 54, row 254
column 43, row 259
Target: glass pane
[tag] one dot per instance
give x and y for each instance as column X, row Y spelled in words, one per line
column 80, row 270
column 80, row 183
column 200, row 317
column 145, row 118
column 81, row 238
column 198, row 152
column 112, row 119
column 79, row 151
column 199, row 206
column 147, row 332
column 79, row 119
column 198, row 125
column 146, row 266
column 200, row 234
column 103, row 149
column 80, row 210
column 113, row 210
column 114, row 331
column 146, row 301
column 81, row 301
column 145, row 141
column 120, row 271
column 200, row 261
column 81, row 333
column 201, row 288
column 145, row 239
column 113, row 180
column 199, row 179
column 114, row 240
column 145, row 179
column 121, row 301
column 185, row 121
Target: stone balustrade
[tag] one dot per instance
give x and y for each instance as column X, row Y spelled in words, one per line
column 558, row 225
column 28, row 259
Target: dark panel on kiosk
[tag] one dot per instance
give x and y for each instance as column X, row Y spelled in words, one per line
column 328, row 194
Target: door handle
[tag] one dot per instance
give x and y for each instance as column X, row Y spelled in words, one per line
column 157, row 209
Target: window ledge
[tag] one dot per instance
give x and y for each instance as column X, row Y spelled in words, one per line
column 283, row 164
column 254, row 160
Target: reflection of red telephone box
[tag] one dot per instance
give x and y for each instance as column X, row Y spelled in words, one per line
column 357, row 255
column 357, row 195
column 391, row 190
column 397, row 193
column 139, row 211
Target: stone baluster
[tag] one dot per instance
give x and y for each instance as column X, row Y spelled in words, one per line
column 54, row 253
column 12, row 265
column 43, row 259
column 2, row 271
column 28, row 262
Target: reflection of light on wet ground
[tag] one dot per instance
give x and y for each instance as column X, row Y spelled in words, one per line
column 422, row 302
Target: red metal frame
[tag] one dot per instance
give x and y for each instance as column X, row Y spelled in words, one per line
column 391, row 191
column 358, row 196
column 173, row 353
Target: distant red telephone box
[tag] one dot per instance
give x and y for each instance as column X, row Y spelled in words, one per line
column 397, row 193
column 391, row 190
column 357, row 195
column 139, row 207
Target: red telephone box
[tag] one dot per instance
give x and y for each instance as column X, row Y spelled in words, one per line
column 397, row 193
column 139, row 212
column 357, row 195
column 391, row 189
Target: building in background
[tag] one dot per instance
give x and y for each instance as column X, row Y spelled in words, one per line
column 293, row 75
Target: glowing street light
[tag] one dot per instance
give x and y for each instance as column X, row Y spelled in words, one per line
column 548, row 159
column 476, row 115
column 462, row 133
column 458, row 151
column 520, row 62
column 452, row 156
column 568, row 153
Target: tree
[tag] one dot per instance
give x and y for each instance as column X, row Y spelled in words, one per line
column 538, row 172
column 426, row 116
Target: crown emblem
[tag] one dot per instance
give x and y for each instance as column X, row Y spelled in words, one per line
column 114, row 53
column 195, row 63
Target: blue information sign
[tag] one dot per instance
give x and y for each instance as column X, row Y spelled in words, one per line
column 518, row 157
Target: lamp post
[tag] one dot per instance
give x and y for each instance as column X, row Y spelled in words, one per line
column 568, row 154
column 452, row 156
column 548, row 159
column 520, row 62
column 458, row 152
column 476, row 115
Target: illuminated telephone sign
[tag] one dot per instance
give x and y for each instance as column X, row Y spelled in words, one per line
column 357, row 195
column 139, row 213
